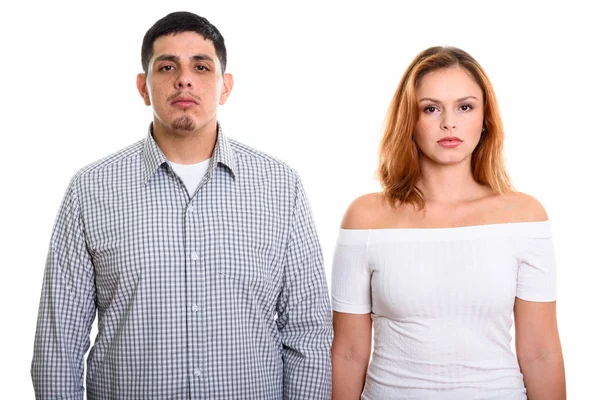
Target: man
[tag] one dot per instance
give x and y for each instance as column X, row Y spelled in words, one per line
column 199, row 253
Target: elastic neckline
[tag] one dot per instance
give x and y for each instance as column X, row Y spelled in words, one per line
column 539, row 229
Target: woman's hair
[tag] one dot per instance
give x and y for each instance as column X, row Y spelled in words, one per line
column 399, row 168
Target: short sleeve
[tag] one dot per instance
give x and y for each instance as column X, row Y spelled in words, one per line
column 537, row 266
column 351, row 277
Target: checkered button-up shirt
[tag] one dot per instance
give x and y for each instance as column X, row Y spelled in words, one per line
column 218, row 296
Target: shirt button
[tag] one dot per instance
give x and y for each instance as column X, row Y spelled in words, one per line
column 195, row 308
column 194, row 256
column 197, row 372
column 191, row 209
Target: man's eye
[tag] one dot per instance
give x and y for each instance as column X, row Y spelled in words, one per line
column 201, row 68
column 166, row 68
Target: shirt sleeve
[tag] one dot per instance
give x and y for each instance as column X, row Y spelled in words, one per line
column 351, row 276
column 66, row 309
column 304, row 311
column 537, row 267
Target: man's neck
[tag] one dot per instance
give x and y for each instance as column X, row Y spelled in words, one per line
column 183, row 147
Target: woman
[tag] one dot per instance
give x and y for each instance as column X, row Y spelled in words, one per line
column 436, row 264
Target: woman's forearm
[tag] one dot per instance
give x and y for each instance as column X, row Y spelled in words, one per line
column 544, row 377
column 348, row 376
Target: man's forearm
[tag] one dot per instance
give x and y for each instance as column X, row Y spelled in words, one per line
column 307, row 374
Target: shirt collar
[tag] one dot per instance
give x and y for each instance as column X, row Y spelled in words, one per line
column 153, row 157
column 224, row 153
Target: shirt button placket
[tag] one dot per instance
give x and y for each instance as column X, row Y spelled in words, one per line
column 194, row 287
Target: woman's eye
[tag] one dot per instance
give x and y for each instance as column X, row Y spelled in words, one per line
column 429, row 109
column 465, row 107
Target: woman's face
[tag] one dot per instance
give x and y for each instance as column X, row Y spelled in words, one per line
column 450, row 116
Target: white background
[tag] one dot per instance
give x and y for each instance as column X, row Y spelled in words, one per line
column 312, row 85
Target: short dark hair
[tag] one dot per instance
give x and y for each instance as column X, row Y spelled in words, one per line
column 178, row 22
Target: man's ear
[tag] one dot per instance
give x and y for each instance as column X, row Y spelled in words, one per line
column 143, row 88
column 227, row 87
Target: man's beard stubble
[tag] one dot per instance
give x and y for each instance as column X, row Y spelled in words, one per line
column 183, row 123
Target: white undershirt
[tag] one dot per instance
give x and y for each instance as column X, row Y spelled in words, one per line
column 191, row 174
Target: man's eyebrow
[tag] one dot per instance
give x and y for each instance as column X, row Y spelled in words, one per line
column 202, row 57
column 174, row 58
column 167, row 57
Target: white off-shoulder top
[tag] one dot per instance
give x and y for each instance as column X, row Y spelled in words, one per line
column 441, row 301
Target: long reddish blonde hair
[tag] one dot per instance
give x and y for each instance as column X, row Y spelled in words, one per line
column 399, row 168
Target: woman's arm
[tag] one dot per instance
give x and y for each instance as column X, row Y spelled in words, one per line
column 351, row 285
column 539, row 351
column 350, row 354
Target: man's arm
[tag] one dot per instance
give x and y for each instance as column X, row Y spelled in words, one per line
column 304, row 311
column 66, row 310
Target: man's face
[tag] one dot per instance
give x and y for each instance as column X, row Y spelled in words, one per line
column 184, row 84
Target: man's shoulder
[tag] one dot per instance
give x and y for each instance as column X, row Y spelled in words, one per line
column 114, row 160
column 252, row 157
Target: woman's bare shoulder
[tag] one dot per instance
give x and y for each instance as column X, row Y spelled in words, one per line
column 365, row 211
column 522, row 207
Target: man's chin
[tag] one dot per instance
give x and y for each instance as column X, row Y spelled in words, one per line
column 183, row 124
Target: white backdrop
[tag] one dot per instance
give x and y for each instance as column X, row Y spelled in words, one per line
column 312, row 85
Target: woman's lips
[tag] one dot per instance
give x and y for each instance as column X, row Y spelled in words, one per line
column 449, row 142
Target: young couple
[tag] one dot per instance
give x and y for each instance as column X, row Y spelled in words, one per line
column 200, row 255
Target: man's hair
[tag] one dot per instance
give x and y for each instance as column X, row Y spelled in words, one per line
column 178, row 22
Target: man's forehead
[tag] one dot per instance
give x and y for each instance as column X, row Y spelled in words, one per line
column 183, row 42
